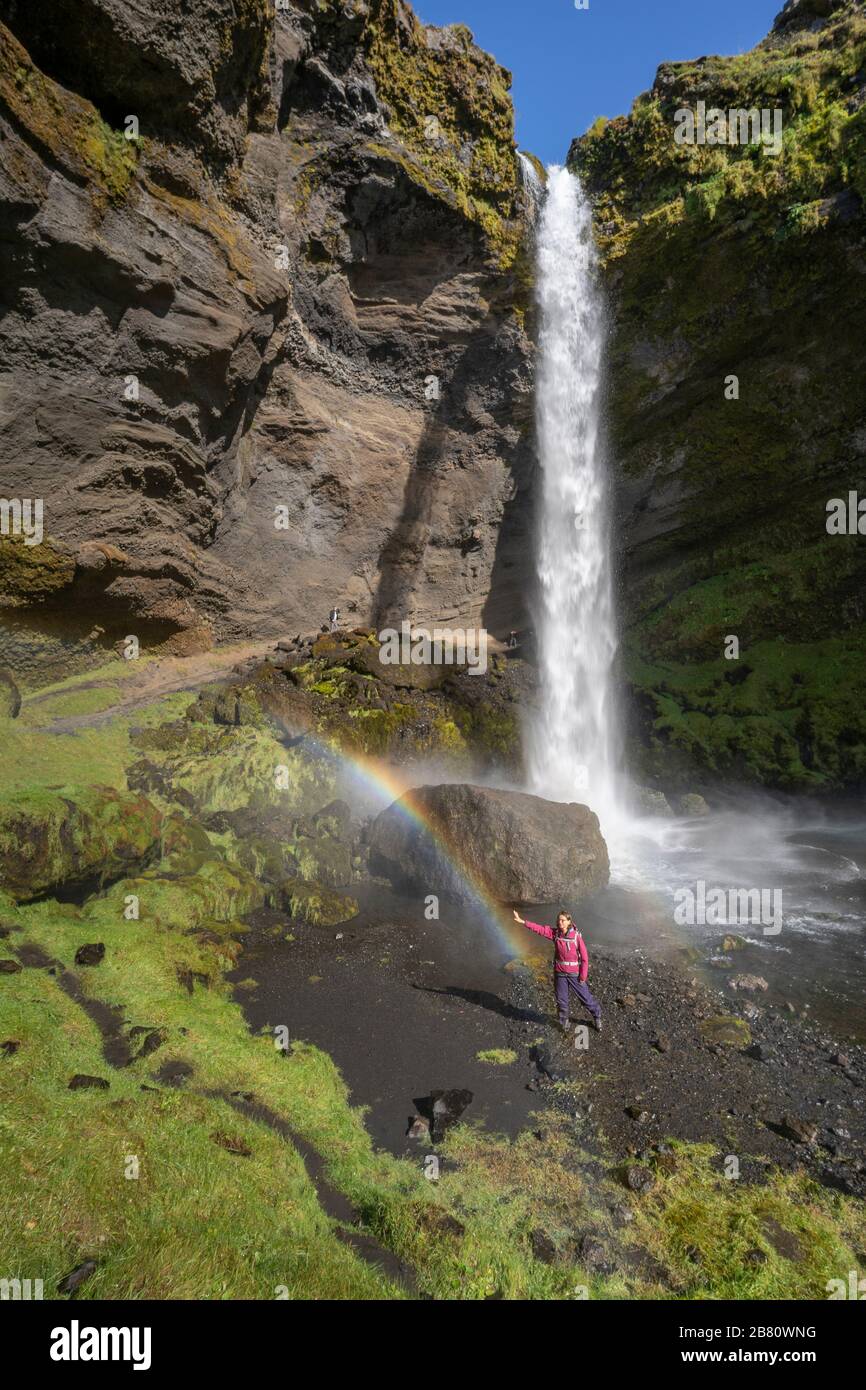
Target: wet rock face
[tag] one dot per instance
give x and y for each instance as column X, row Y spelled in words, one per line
column 269, row 357
column 736, row 409
column 521, row 848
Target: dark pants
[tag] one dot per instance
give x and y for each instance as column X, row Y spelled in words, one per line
column 562, row 984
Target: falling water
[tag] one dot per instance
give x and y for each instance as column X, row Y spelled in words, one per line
column 573, row 741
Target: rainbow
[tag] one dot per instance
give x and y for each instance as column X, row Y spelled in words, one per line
column 384, row 781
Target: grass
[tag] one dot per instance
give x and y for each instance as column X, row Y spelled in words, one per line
column 700, row 1226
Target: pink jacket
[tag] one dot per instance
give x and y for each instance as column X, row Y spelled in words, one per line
column 570, row 953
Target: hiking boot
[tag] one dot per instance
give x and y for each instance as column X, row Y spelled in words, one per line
column 565, row 1027
column 598, row 1025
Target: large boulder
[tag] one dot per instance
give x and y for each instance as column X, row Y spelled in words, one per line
column 519, row 848
column 73, row 838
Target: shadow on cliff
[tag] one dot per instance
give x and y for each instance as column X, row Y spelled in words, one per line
column 441, row 449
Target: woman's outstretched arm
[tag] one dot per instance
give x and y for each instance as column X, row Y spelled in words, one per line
column 533, row 926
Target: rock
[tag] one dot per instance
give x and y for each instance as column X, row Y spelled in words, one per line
column 317, row 905
column 638, row 1114
column 82, row 1082
column 733, row 943
column 419, row 1128
column 689, row 955
column 692, row 804
column 840, row 1182
column 175, row 1072
column 293, row 279
column 749, row 983
column 324, row 862
column 10, row 967
column 447, row 1108
column 76, row 1277
column 760, row 1051
column 638, row 1179
column 435, row 1222
column 88, row 834
column 550, row 1064
column 724, row 1029
column 622, row 1214
column 784, row 1242
column 662, row 1043
column 334, row 820
column 522, row 848
column 839, row 1059
column 153, row 1040
column 91, row 954
column 799, row 1131
column 543, row 1248
column 755, row 1257
column 9, row 1047
column 653, row 802
column 591, row 1253
column 10, row 695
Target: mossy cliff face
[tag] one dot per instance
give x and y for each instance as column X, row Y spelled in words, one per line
column 268, row 355
column 731, row 261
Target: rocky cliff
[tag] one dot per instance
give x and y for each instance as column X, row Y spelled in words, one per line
column 263, row 307
column 734, row 261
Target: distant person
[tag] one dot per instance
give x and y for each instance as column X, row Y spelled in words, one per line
column 512, row 638
column 570, row 966
column 334, row 619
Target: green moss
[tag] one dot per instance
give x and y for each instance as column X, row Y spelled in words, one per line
column 32, row 573
column 321, row 907
column 449, row 104
column 726, row 1030
column 67, row 837
column 216, row 892
column 635, row 168
column 66, row 125
column 493, row 732
column 322, row 861
column 221, row 768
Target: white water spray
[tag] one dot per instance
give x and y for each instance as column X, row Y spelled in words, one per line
column 572, row 742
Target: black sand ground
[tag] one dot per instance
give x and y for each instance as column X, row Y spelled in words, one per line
column 404, row 1006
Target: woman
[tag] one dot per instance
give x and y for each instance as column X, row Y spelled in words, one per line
column 570, row 967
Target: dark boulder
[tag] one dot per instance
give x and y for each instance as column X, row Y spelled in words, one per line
column 447, row 1108
column 82, row 1082
column 91, row 954
column 517, row 847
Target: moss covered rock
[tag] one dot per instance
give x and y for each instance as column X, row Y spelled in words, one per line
column 737, row 283
column 319, row 906
column 216, row 892
column 726, row 1031
column 63, row 840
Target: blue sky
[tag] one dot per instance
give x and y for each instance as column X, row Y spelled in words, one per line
column 572, row 65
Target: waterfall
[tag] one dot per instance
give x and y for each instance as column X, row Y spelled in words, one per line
column 572, row 740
